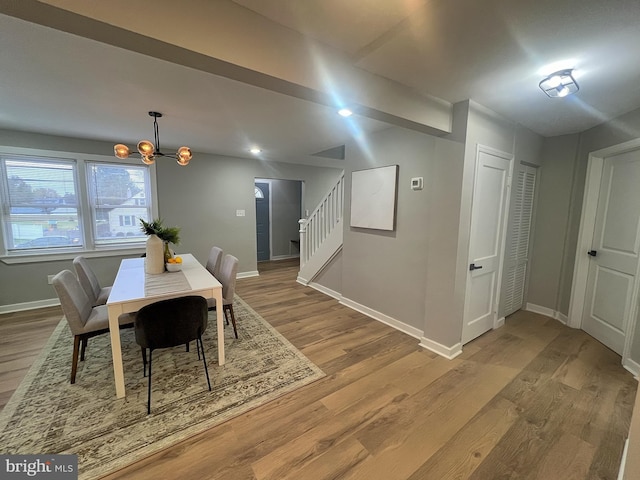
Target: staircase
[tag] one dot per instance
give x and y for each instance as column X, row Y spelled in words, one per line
column 321, row 233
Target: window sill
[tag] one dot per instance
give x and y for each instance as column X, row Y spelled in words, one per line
column 15, row 259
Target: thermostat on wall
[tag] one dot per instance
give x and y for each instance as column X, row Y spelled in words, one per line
column 416, row 183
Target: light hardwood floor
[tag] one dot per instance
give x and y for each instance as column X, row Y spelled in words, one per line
column 533, row 399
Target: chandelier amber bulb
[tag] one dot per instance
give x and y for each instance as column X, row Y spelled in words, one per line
column 182, row 161
column 145, row 147
column 148, row 159
column 184, row 153
column 121, row 151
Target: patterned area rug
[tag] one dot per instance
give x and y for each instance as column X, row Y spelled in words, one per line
column 49, row 415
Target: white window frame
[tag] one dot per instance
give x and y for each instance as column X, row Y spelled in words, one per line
column 89, row 249
column 91, row 215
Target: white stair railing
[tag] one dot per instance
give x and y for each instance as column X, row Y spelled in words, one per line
column 315, row 229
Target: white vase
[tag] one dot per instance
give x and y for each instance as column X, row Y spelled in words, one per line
column 154, row 262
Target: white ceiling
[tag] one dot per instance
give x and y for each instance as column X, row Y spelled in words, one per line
column 490, row 51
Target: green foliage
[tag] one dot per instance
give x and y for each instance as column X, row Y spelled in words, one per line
column 166, row 234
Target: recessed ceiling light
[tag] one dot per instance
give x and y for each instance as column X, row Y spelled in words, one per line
column 255, row 150
column 345, row 112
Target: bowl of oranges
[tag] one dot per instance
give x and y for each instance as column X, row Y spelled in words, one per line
column 174, row 264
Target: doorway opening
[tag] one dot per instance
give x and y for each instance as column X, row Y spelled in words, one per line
column 278, row 210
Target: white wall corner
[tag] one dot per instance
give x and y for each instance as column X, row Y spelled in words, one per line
column 447, row 352
column 532, row 307
column 381, row 317
column 632, row 366
column 252, row 273
column 623, row 461
column 561, row 317
column 325, row 290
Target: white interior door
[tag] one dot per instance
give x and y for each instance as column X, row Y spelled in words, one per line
column 611, row 283
column 486, row 246
column 517, row 258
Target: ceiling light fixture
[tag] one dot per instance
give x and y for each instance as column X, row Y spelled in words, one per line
column 345, row 112
column 149, row 151
column 255, row 150
column 559, row 84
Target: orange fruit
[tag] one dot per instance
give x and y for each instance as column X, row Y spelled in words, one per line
column 171, row 260
column 178, row 259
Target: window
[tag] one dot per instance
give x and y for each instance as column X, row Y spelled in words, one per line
column 42, row 207
column 117, row 194
column 127, row 220
column 45, row 208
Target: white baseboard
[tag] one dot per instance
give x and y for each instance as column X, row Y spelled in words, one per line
column 447, row 352
column 381, row 317
column 325, row 290
column 532, row 307
column 498, row 323
column 19, row 307
column 248, row 274
column 302, row 281
column 624, row 460
column 283, row 257
column 632, row 366
column 561, row 317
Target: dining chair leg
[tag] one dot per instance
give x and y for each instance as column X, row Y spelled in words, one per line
column 149, row 384
column 229, row 308
column 84, row 347
column 144, row 361
column 74, row 360
column 206, row 370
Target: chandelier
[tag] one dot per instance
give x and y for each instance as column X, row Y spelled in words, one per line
column 150, row 151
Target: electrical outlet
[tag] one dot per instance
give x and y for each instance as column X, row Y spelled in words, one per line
column 50, row 279
column 239, row 213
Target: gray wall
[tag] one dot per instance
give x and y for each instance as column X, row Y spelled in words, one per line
column 416, row 274
column 552, row 213
column 331, row 275
column 387, row 271
column 202, row 199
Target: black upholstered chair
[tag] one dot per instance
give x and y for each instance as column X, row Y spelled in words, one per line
column 169, row 323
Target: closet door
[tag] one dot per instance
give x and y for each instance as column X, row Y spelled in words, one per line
column 518, row 248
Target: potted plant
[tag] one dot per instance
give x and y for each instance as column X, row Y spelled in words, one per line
column 158, row 243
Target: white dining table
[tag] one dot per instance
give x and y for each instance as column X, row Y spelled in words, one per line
column 133, row 289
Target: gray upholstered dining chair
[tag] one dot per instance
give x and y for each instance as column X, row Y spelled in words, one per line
column 85, row 320
column 89, row 282
column 228, row 272
column 214, row 261
column 169, row 323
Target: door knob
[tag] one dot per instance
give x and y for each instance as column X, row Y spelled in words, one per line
column 592, row 253
column 473, row 267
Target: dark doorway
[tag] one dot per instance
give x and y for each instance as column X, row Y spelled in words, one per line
column 262, row 221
